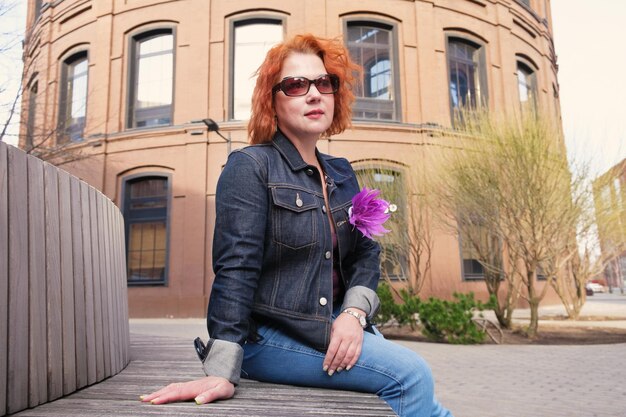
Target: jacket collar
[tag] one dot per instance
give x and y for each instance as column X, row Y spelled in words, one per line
column 289, row 152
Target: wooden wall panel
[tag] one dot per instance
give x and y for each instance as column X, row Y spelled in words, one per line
column 53, row 284
column 79, row 283
column 38, row 332
column 90, row 330
column 67, row 285
column 17, row 395
column 97, row 292
column 4, row 275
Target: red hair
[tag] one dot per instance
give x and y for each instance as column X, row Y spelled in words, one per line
column 336, row 60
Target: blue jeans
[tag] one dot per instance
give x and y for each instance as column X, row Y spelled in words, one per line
column 396, row 374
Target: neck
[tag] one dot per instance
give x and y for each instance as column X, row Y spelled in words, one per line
column 306, row 148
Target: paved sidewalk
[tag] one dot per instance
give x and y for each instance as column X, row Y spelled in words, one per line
column 508, row 380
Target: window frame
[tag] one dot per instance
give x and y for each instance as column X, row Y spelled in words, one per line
column 33, row 91
column 38, row 5
column 134, row 41
column 526, row 65
column 392, row 27
column 62, row 135
column 398, row 172
column 472, row 276
column 124, row 202
column 234, row 23
column 482, row 99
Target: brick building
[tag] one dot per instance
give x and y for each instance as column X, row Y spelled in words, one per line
column 116, row 92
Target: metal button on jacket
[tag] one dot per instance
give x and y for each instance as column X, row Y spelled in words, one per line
column 323, row 301
column 327, row 255
column 309, row 172
column 324, row 209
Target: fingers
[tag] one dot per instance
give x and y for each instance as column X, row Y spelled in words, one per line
column 202, row 391
column 345, row 346
column 219, row 392
column 173, row 392
column 331, row 352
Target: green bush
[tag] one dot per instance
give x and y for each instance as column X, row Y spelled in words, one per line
column 388, row 308
column 451, row 321
column 404, row 313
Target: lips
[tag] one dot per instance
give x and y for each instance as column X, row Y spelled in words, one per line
column 315, row 112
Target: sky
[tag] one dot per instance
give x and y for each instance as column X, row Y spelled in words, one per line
column 588, row 37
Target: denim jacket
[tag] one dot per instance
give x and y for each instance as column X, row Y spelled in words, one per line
column 273, row 251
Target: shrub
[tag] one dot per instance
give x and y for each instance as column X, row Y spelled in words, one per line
column 404, row 313
column 451, row 321
column 388, row 307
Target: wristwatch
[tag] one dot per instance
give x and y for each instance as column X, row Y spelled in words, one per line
column 360, row 318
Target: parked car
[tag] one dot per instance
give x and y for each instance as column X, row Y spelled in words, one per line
column 595, row 287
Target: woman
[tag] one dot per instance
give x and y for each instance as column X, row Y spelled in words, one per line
column 295, row 283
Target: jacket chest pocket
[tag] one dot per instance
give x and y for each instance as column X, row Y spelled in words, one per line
column 294, row 217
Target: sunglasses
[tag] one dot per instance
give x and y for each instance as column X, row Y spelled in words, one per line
column 299, row 86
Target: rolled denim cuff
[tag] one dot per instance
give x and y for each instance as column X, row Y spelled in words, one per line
column 362, row 298
column 223, row 359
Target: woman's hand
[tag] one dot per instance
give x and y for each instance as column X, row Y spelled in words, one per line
column 205, row 390
column 346, row 340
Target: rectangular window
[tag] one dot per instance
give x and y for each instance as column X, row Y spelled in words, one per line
column 481, row 252
column 73, row 102
column 252, row 39
column 372, row 46
column 152, row 79
column 145, row 216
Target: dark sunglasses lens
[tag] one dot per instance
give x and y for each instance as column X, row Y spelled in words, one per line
column 326, row 84
column 295, row 86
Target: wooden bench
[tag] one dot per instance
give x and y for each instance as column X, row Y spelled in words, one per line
column 158, row 361
column 63, row 297
column 64, row 334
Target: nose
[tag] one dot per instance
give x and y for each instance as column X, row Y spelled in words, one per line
column 314, row 93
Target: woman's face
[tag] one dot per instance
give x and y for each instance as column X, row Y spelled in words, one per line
column 304, row 117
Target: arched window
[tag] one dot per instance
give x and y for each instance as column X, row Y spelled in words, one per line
column 372, row 45
column 146, row 203
column 527, row 86
column 466, row 74
column 252, row 38
column 73, row 100
column 394, row 245
column 151, row 80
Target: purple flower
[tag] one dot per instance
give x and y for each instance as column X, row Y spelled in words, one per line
column 368, row 213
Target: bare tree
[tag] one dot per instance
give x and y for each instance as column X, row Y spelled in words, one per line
column 512, row 176
column 10, row 53
column 406, row 251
